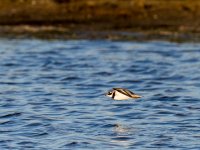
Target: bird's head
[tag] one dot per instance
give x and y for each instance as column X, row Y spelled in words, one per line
column 109, row 93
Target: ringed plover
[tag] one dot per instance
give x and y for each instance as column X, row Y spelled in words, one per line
column 121, row 94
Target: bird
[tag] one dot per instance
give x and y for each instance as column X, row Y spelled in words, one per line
column 121, row 94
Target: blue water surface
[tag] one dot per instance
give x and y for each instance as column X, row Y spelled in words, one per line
column 52, row 95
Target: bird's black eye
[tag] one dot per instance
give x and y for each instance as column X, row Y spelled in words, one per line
column 109, row 93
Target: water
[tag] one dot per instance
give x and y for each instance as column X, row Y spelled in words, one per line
column 52, row 95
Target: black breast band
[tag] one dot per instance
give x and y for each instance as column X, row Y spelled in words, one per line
column 113, row 96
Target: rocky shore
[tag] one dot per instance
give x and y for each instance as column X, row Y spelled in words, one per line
column 112, row 19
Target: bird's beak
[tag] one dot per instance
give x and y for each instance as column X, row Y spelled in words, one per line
column 136, row 96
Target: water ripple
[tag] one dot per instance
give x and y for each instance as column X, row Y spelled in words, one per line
column 52, row 95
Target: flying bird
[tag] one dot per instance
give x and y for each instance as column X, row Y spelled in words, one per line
column 121, row 94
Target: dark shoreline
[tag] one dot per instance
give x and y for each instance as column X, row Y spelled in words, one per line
column 175, row 20
column 61, row 32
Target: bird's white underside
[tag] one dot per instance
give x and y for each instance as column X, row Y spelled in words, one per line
column 120, row 96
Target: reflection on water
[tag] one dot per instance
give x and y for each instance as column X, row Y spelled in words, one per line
column 122, row 135
column 52, row 95
column 119, row 129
